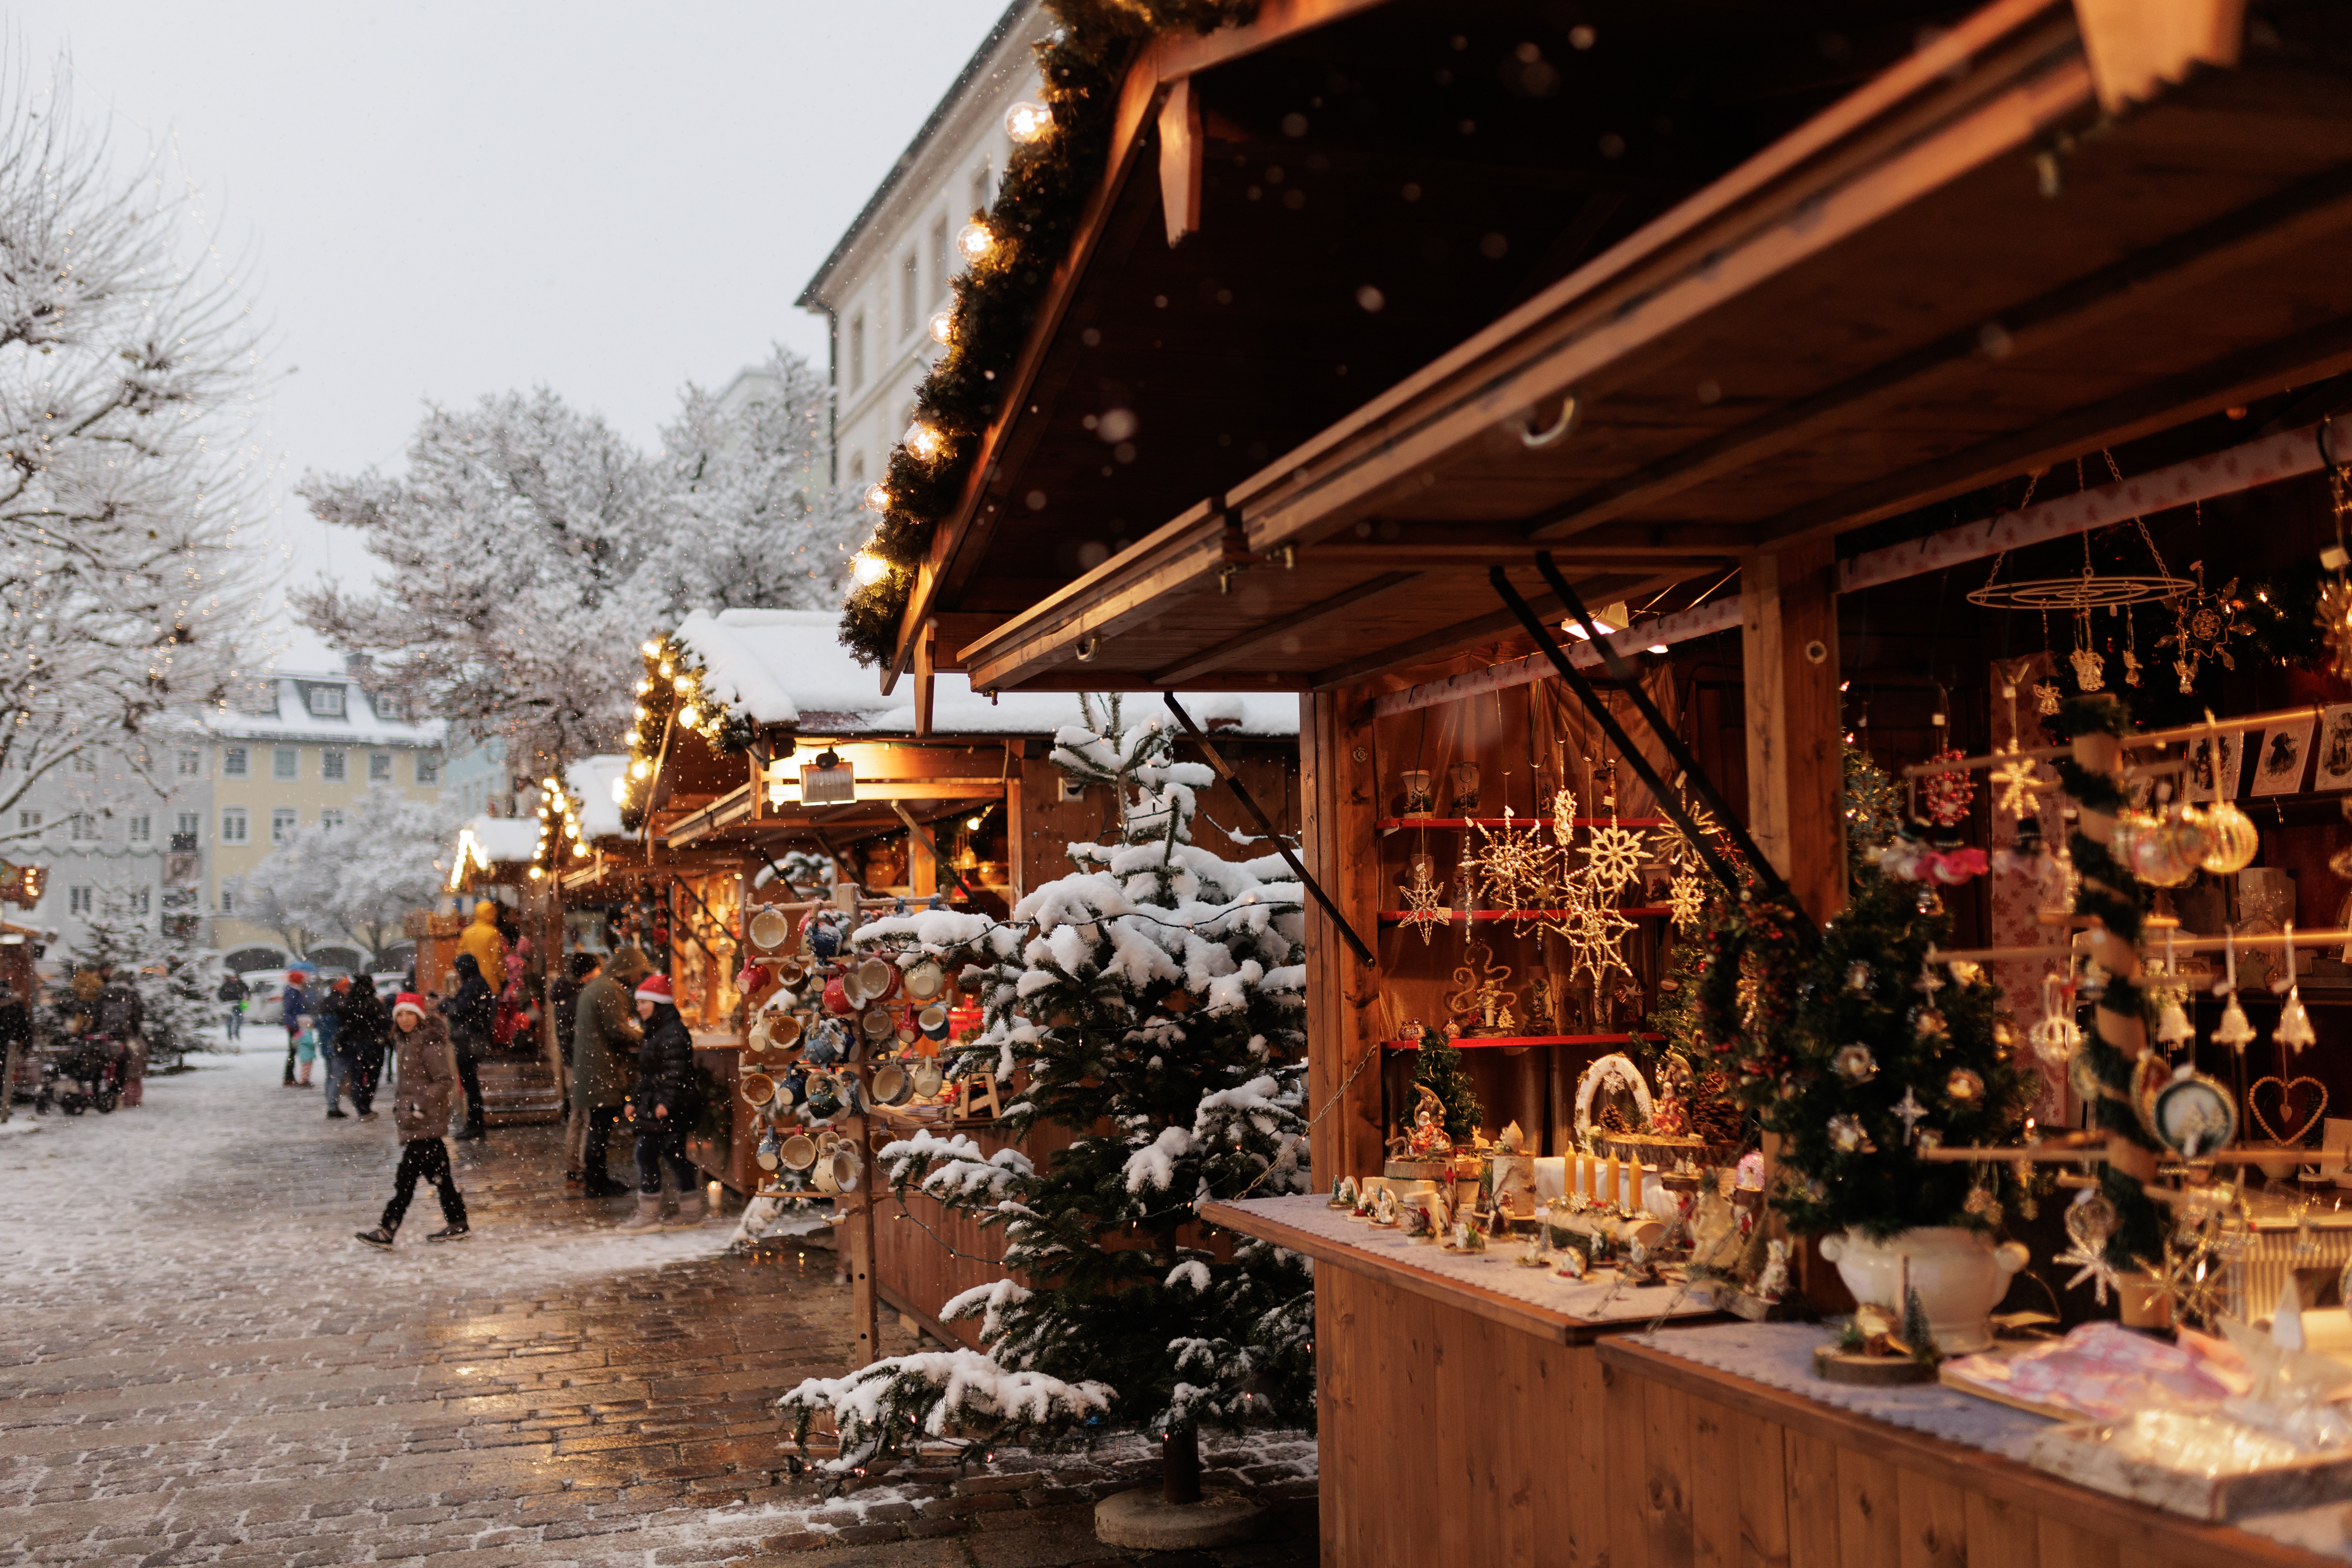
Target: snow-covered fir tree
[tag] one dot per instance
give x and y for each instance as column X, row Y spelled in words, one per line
column 360, row 877
column 1152, row 1003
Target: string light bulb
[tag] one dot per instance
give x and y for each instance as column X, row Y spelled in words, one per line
column 688, row 717
column 1028, row 123
column 640, row 768
column 877, row 497
column 649, row 647
column 943, row 329
column 976, row 241
column 926, row 441
column 868, row 569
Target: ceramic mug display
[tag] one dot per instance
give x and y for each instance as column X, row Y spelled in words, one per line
column 923, row 1075
column 892, row 1085
column 932, row 1021
column 797, row 1153
column 837, row 997
column 877, row 979
column 824, row 1095
column 784, row 1030
column 770, row 929
column 926, row 981
column 759, row 1089
column 879, row 1023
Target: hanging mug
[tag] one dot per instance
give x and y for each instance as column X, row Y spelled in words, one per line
column 837, row 1171
column 770, row 929
column 878, row 978
column 759, row 1089
column 891, row 1085
column 797, row 1153
column 926, row 981
column 755, row 1038
column 823, row 1096
column 770, row 1151
column 878, row 1023
column 837, row 995
column 788, row 1094
column 784, row 1030
column 933, row 1022
column 924, row 1077
column 828, row 1041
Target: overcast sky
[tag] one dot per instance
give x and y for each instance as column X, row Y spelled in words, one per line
column 440, row 199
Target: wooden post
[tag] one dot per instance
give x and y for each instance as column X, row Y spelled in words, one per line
column 1796, row 773
column 922, row 866
column 1180, row 158
column 1336, row 791
column 865, row 1346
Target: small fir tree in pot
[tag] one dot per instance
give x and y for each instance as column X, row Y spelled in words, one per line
column 1152, row 1002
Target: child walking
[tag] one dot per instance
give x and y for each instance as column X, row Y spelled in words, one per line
column 428, row 1079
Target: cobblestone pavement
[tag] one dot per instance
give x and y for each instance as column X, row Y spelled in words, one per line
column 199, row 1364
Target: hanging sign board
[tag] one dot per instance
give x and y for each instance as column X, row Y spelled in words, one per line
column 834, row 786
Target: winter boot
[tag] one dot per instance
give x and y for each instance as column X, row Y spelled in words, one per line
column 606, row 1186
column 456, row 1231
column 648, row 1215
column 692, row 1210
column 379, row 1236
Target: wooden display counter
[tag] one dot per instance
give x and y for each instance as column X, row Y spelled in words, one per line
column 1468, row 1423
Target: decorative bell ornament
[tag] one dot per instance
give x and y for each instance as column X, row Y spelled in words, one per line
column 2294, row 1024
column 2055, row 1037
column 2172, row 1026
column 2234, row 1031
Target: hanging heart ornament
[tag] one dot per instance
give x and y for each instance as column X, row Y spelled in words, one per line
column 2286, row 1088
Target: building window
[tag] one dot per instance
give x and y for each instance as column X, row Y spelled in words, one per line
column 941, row 269
column 233, row 761
column 330, row 821
column 428, row 767
column 183, row 837
column 191, row 763
column 858, row 350
column 281, row 824
column 228, row 902
column 331, row 766
column 379, row 766
column 285, row 764
column 909, row 292
column 85, row 762
column 233, row 826
column 85, row 826
column 979, row 186
column 325, row 701
column 78, row 901
column 143, row 830
column 135, row 901
column 26, row 820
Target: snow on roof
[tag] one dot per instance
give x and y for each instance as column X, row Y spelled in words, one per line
column 593, row 779
column 288, row 715
column 788, row 667
column 503, row 841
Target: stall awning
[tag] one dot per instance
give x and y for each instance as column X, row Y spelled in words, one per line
column 1966, row 269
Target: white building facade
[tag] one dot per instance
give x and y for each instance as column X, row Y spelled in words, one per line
column 889, row 274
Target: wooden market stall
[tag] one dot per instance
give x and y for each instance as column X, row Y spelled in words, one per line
column 519, row 1086
column 794, row 785
column 1813, row 329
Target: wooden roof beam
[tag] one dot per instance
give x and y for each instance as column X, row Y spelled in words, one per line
column 2286, row 220
column 1216, row 657
column 1495, row 623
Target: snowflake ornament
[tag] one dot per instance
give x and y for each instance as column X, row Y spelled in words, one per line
column 1613, row 855
column 1424, row 900
column 1685, row 901
column 1594, row 934
column 1516, row 865
column 2018, row 790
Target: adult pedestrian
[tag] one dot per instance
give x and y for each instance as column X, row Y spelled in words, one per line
column 365, row 1035
column 469, row 1012
column 123, row 1018
column 231, row 995
column 564, row 998
column 486, row 945
column 663, row 1107
column 422, row 1114
column 604, row 1040
column 15, row 1037
column 292, row 1006
column 331, row 1008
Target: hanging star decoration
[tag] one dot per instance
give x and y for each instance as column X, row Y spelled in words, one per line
column 1594, row 932
column 2093, row 1269
column 1517, row 866
column 2203, row 624
column 2019, row 790
column 1687, row 901
column 1909, row 1112
column 1424, row 900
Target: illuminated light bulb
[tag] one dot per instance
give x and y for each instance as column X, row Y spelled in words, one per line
column 688, row 717
column 1657, row 647
column 877, row 497
column 868, row 569
column 974, row 823
column 536, row 874
column 640, row 768
column 649, row 647
column 645, row 685
column 548, row 785
column 683, row 684
column 944, row 327
column 1027, row 122
column 669, row 669
column 634, row 736
column 927, row 441
column 579, row 852
column 977, row 241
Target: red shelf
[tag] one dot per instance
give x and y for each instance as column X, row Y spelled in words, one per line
column 1396, row 917
column 1392, row 824
column 1466, row 1041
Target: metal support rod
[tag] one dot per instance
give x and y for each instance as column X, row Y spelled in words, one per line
column 1667, row 802
column 939, row 860
column 1614, row 662
column 690, row 930
column 1265, row 825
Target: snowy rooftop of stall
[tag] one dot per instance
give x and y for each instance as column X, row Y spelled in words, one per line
column 504, row 841
column 595, row 779
column 788, row 667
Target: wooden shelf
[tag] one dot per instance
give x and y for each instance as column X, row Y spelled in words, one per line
column 1393, row 824
column 1517, row 1041
column 1397, row 917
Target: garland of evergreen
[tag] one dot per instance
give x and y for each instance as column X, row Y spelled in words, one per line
column 1033, row 220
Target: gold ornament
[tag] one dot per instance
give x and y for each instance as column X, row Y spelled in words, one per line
column 1685, row 901
column 1516, row 865
column 1424, row 900
column 2231, row 840
column 2014, row 778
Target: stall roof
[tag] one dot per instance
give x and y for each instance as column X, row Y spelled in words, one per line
column 787, row 669
column 503, row 841
column 2012, row 247
column 597, row 780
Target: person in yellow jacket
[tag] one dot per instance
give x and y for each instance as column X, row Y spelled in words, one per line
column 489, row 949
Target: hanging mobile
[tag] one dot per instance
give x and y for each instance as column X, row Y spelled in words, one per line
column 2056, row 1036
column 2235, row 1030
column 2294, row 1024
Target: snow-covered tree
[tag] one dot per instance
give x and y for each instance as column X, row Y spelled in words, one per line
column 361, row 878
column 127, row 367
column 754, row 520
column 1153, row 1003
column 518, row 543
column 119, row 937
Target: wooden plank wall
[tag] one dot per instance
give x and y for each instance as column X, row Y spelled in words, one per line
column 1339, row 844
column 1447, row 1439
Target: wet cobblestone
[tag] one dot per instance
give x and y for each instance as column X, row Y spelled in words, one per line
column 199, row 1366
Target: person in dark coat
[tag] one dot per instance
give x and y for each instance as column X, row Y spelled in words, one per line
column 332, row 1003
column 366, row 1035
column 663, row 1106
column 123, row 1018
column 421, row 1113
column 469, row 1012
column 604, row 1040
column 231, row 995
column 292, row 1007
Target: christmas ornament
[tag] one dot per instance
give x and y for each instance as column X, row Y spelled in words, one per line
column 1964, row 1087
column 1857, row 978
column 2336, row 624
column 2192, row 1115
column 1611, row 856
column 1950, row 792
column 2234, row 1031
column 1846, row 1135
column 2089, row 669
column 1928, row 1024
column 1516, row 865
column 2047, row 698
column 2301, row 1129
column 1424, row 900
column 1856, row 1064
column 2090, row 1225
column 1908, row 1111
column 2293, row 1027
column 1685, row 901
column 2016, row 785
column 2231, row 840
column 2203, row 626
